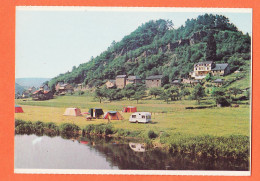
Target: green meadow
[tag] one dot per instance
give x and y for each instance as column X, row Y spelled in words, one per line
column 215, row 131
column 171, row 118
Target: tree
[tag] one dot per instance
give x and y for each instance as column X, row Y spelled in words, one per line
column 167, row 86
column 100, row 94
column 211, row 48
column 165, row 80
column 174, row 93
column 217, row 93
column 184, row 92
column 165, row 95
column 155, row 91
column 235, row 91
column 128, row 93
column 198, row 92
column 208, row 77
column 139, row 95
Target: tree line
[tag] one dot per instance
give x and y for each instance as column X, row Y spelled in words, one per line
column 169, row 93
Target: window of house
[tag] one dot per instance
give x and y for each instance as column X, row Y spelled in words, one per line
column 133, row 116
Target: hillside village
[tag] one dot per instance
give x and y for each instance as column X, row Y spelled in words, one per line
column 201, row 70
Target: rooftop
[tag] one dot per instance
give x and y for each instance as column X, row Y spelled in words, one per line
column 113, row 81
column 121, row 76
column 218, row 81
column 152, row 77
column 176, row 81
column 133, row 77
column 206, row 62
column 220, row 66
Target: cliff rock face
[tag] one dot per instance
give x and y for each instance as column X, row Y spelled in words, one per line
column 197, row 37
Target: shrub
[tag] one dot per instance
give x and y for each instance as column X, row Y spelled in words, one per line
column 152, row 134
column 19, row 122
column 51, row 125
column 222, row 101
column 90, row 128
column 98, row 129
column 39, row 127
column 80, row 93
column 108, row 129
column 69, row 128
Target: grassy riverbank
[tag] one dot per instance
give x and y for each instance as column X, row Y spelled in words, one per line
column 235, row 147
column 212, row 131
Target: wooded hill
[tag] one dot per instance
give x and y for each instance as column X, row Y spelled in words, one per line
column 157, row 48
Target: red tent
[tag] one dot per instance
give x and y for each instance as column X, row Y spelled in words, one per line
column 129, row 109
column 18, row 109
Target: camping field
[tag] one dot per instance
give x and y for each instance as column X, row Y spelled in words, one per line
column 171, row 118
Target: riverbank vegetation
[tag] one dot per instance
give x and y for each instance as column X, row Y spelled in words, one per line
column 233, row 146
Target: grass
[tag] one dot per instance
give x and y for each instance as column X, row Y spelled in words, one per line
column 171, row 118
column 213, row 131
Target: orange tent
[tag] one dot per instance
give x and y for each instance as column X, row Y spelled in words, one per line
column 113, row 115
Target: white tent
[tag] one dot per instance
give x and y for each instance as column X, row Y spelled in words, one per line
column 72, row 112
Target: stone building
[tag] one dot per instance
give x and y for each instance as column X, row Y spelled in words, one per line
column 221, row 69
column 154, row 81
column 218, row 82
column 121, row 81
column 111, row 84
column 64, row 88
column 133, row 80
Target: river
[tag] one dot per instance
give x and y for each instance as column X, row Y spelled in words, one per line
column 43, row 152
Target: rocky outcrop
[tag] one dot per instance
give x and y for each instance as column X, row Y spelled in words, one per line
column 197, row 37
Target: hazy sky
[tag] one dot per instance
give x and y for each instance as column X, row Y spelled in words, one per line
column 50, row 42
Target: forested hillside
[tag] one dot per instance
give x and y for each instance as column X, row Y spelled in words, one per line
column 157, row 48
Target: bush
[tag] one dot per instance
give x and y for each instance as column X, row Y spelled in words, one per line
column 69, row 128
column 152, row 134
column 223, row 101
column 90, row 128
column 51, row 125
column 19, row 122
column 80, row 93
column 39, row 127
column 108, row 129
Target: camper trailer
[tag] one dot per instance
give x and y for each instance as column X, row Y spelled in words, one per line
column 140, row 117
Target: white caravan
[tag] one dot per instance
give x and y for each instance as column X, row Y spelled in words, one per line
column 140, row 117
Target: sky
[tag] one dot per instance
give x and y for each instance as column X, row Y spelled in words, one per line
column 50, row 41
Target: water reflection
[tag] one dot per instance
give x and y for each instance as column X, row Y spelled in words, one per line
column 112, row 154
column 137, row 147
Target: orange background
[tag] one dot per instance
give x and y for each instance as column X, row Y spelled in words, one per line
column 7, row 77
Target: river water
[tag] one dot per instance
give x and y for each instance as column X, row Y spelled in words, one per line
column 43, row 152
